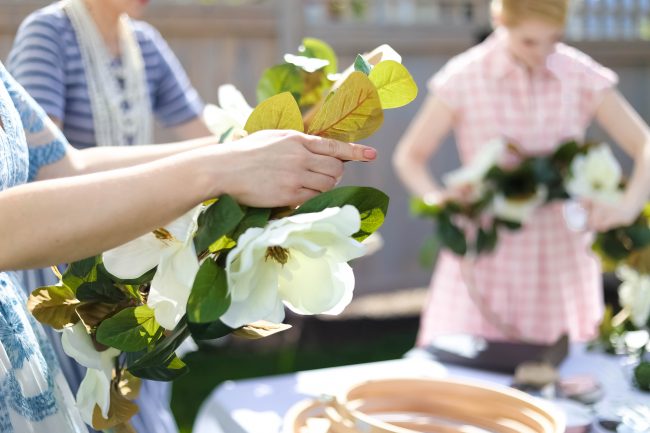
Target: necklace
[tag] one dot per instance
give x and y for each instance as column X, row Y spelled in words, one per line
column 118, row 91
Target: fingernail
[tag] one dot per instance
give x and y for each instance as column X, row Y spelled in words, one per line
column 369, row 153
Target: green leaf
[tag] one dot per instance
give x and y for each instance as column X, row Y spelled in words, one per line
column 394, row 84
column 168, row 370
column 318, row 49
column 642, row 376
column 278, row 112
column 81, row 271
column 209, row 298
column 54, row 306
column 255, row 217
column 371, row 203
column 352, row 113
column 223, row 243
column 100, row 291
column 280, row 79
column 103, row 274
column 209, row 331
column 429, row 252
column 451, row 236
column 362, row 65
column 486, row 240
column 219, row 220
column 130, row 330
column 162, row 350
column 316, row 84
column 422, row 209
column 565, row 153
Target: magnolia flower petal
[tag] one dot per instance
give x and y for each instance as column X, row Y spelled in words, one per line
column 518, row 210
column 95, row 389
column 262, row 301
column 172, row 284
column 78, row 345
column 183, row 228
column 244, row 259
column 595, row 175
column 233, row 102
column 472, row 174
column 316, row 286
column 345, row 220
column 219, row 121
column 134, row 258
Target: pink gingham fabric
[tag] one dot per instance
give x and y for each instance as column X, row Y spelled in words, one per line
column 543, row 280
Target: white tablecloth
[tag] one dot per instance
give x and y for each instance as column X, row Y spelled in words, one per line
column 258, row 405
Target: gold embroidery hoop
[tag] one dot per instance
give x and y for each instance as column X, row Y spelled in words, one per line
column 425, row 405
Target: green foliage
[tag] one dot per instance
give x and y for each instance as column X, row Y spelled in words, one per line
column 131, row 330
column 220, row 219
column 394, row 84
column 371, row 203
column 278, row 112
column 209, row 298
column 642, row 376
column 352, row 113
column 362, row 65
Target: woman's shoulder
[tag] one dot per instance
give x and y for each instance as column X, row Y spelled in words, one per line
column 50, row 20
column 580, row 68
column 466, row 65
column 146, row 33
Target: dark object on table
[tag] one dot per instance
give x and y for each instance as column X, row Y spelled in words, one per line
column 501, row 356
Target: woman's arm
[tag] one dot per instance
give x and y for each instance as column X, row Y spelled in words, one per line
column 71, row 218
column 628, row 129
column 421, row 140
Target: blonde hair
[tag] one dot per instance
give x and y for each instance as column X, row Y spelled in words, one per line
column 512, row 12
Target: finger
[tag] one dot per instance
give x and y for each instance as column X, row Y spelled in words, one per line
column 339, row 149
column 318, row 182
column 325, row 165
column 302, row 195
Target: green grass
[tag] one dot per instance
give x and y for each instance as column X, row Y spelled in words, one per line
column 209, row 368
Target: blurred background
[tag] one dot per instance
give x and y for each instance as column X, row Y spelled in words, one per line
column 233, row 41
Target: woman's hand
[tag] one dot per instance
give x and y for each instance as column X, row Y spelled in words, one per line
column 279, row 168
column 606, row 216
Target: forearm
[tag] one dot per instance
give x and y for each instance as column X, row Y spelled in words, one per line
column 415, row 176
column 98, row 159
column 637, row 192
column 99, row 210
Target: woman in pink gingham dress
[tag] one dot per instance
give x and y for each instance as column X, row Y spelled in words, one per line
column 523, row 86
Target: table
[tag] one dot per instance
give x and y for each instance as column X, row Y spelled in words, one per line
column 258, row 405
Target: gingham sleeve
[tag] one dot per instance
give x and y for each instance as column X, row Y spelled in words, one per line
column 447, row 84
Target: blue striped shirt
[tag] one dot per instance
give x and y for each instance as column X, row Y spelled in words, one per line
column 46, row 60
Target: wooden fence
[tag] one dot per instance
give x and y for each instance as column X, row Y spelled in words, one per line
column 226, row 44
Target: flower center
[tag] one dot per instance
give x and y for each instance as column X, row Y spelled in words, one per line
column 163, row 234
column 279, row 254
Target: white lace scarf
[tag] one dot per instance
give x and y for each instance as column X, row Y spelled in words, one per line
column 119, row 113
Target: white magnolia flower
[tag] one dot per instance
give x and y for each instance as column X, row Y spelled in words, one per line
column 471, row 175
column 300, row 261
column 634, row 294
column 518, row 210
column 231, row 114
column 595, row 175
column 95, row 388
column 171, row 249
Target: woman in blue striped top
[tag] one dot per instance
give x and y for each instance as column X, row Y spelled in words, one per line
column 101, row 76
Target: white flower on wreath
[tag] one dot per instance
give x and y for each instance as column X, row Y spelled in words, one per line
column 171, row 249
column 471, row 176
column 298, row 261
column 595, row 175
column 95, row 388
column 518, row 210
column 230, row 115
column 634, row 295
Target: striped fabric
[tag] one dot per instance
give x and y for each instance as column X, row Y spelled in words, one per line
column 46, row 60
column 542, row 281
